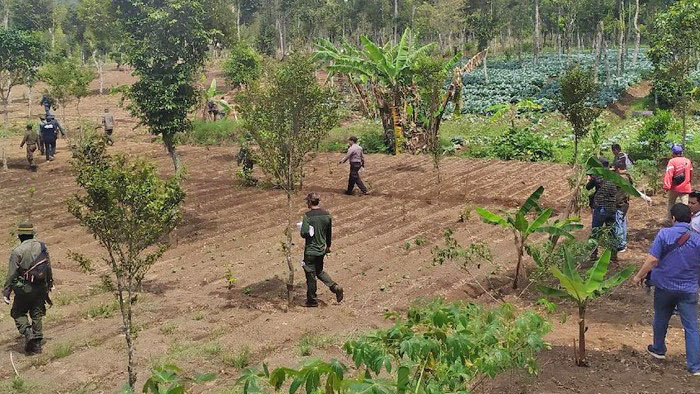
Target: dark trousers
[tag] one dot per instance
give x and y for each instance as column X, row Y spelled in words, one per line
column 603, row 230
column 31, row 304
column 355, row 178
column 108, row 137
column 49, row 148
column 313, row 268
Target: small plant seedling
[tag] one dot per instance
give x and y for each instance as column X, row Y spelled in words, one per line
column 407, row 246
column 239, row 360
column 465, row 214
column 62, row 350
column 230, row 278
column 247, row 291
column 420, row 241
column 168, row 329
column 198, row 316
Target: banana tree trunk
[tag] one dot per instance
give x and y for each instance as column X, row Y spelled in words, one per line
column 398, row 130
column 519, row 246
column 581, row 353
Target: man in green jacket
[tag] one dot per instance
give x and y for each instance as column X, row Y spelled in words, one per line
column 29, row 276
column 317, row 230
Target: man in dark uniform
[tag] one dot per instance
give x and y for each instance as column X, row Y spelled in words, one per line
column 32, row 140
column 29, row 276
column 49, row 134
column 48, row 103
column 317, row 230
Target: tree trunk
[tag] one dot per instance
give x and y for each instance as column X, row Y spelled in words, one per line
column 637, row 35
column 6, row 127
column 685, row 124
column 575, row 149
column 519, row 245
column 486, row 69
column 100, row 70
column 621, row 39
column 538, row 41
column 398, row 131
column 396, row 21
column 169, row 141
column 607, row 62
column 288, row 247
column 29, row 100
column 238, row 20
column 581, row 357
column 598, row 44
column 559, row 48
column 125, row 307
column 6, row 15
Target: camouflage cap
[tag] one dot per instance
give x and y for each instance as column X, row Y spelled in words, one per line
column 25, row 228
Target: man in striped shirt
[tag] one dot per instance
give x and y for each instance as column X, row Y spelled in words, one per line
column 674, row 262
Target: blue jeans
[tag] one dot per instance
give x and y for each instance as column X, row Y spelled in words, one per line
column 621, row 229
column 602, row 217
column 664, row 303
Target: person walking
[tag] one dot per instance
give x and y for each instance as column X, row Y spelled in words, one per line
column 357, row 162
column 677, row 178
column 604, row 206
column 674, row 263
column 30, row 277
column 621, row 160
column 108, row 125
column 317, row 230
column 622, row 202
column 32, row 140
column 48, row 136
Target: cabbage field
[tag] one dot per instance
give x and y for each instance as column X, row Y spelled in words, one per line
column 513, row 81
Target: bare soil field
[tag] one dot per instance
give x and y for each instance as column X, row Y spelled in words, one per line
column 187, row 314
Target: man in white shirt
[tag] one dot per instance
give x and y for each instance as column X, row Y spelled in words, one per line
column 694, row 204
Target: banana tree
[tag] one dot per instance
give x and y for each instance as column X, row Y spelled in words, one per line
column 523, row 228
column 387, row 68
column 581, row 290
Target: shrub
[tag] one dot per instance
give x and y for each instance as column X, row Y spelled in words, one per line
column 647, row 176
column 522, row 144
column 220, row 132
column 243, row 65
column 373, row 142
column 653, row 139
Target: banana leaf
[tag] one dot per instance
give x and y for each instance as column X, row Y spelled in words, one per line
column 595, row 168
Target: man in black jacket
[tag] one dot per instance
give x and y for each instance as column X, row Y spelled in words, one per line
column 317, row 230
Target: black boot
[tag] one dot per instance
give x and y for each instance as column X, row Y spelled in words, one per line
column 338, row 293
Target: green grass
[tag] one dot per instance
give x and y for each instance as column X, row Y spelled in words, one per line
column 221, row 132
column 102, row 310
column 168, row 329
column 309, row 342
column 240, row 359
column 62, row 350
column 16, row 385
column 337, row 139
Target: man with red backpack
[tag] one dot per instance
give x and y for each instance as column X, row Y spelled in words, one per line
column 679, row 172
column 29, row 276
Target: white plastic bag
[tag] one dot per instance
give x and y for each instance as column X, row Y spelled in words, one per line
column 311, row 229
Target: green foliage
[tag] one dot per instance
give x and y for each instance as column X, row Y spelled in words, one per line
column 243, row 65
column 20, row 57
column 523, row 228
column 219, row 132
column 168, row 379
column 595, row 168
column 652, row 142
column 129, row 209
column 66, row 79
column 373, row 142
column 582, row 289
column 578, row 92
column 435, row 348
column 62, row 350
column 648, row 176
column 673, row 51
column 240, row 359
column 166, row 45
column 287, row 119
column 522, row 144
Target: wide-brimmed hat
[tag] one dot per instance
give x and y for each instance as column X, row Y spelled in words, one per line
column 25, row 228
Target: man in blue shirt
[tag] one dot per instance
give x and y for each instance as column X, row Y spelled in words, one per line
column 674, row 262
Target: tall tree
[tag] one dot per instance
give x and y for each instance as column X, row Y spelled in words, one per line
column 20, row 57
column 102, row 31
column 167, row 44
column 674, row 47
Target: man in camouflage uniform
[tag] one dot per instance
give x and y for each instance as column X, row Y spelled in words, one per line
column 32, row 140
column 29, row 276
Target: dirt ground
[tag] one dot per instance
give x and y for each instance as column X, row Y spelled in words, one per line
column 187, row 314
